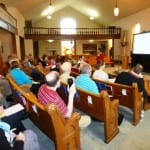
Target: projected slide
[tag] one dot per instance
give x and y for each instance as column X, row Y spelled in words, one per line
column 141, row 43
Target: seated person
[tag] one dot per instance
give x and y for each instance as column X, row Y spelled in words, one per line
column 66, row 70
column 14, row 120
column 5, row 87
column 26, row 140
column 84, row 80
column 82, row 61
column 135, row 75
column 75, row 67
column 18, row 143
column 13, row 57
column 44, row 61
column 99, row 73
column 31, row 70
column 53, row 65
column 47, row 93
column 22, row 78
column 19, row 75
column 3, row 101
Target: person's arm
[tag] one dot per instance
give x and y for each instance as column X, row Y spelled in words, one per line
column 25, row 78
column 19, row 142
column 71, row 92
column 4, row 144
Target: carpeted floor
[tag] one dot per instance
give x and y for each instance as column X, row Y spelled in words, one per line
column 130, row 137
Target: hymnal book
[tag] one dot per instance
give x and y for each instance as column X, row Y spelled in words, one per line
column 13, row 109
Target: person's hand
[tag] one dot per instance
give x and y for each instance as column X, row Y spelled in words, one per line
column 2, row 77
column 20, row 137
column 1, row 110
column 72, row 89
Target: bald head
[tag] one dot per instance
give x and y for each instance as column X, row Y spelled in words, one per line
column 52, row 78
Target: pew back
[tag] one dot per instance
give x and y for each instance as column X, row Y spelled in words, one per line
column 98, row 106
column 64, row 132
column 128, row 96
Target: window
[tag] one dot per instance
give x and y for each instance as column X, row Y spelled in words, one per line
column 68, row 26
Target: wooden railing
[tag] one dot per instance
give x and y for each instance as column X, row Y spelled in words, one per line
column 78, row 33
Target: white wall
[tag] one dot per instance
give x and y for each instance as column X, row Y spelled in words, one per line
column 129, row 23
column 28, row 46
column 20, row 26
column 82, row 21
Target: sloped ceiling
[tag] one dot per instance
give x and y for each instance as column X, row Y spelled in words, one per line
column 103, row 9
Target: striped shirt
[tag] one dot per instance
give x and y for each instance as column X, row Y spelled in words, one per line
column 46, row 95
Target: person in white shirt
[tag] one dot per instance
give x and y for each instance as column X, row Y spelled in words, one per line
column 99, row 73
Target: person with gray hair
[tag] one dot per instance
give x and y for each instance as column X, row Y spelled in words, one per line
column 65, row 72
column 84, row 80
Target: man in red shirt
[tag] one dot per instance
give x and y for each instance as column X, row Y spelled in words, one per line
column 47, row 93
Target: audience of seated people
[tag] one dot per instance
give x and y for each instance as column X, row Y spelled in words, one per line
column 84, row 80
column 48, row 90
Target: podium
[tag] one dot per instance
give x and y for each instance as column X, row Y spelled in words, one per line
column 125, row 60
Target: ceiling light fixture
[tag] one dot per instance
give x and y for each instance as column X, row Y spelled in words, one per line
column 116, row 9
column 92, row 18
column 50, row 10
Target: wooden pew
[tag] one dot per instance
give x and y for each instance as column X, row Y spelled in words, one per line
column 64, row 132
column 98, row 106
column 128, row 96
column 108, row 61
column 146, row 104
column 42, row 70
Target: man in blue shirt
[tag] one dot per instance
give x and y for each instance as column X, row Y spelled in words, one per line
column 84, row 80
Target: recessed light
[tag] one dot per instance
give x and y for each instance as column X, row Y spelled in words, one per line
column 92, row 18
